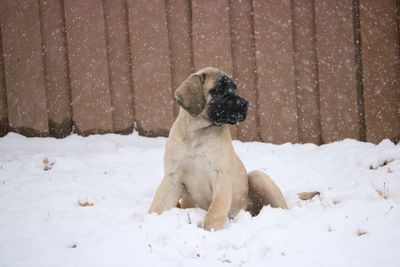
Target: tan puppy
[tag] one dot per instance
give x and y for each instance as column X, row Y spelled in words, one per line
column 200, row 165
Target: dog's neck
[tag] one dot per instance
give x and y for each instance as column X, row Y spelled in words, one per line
column 200, row 123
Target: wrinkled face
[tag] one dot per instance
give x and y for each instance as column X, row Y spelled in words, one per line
column 212, row 93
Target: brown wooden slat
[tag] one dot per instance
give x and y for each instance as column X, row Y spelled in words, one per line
column 117, row 37
column 87, row 57
column 306, row 73
column 337, row 70
column 244, row 65
column 3, row 102
column 23, row 64
column 151, row 68
column 381, row 69
column 56, row 67
column 211, row 37
column 275, row 71
column 180, row 41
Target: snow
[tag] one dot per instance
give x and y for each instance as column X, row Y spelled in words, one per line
column 354, row 221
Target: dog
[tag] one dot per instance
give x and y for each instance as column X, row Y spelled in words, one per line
column 201, row 168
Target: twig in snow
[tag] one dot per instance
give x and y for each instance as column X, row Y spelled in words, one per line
column 391, row 207
column 308, row 195
column 382, row 164
column 384, row 193
column 361, row 232
column 85, row 203
column 73, row 245
column 47, row 164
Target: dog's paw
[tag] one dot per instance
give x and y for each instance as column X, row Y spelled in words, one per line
column 214, row 224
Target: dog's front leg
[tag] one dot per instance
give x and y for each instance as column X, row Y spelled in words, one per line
column 217, row 213
column 167, row 195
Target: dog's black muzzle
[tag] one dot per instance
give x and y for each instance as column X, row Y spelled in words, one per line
column 230, row 109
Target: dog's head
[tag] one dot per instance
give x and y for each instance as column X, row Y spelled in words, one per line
column 212, row 93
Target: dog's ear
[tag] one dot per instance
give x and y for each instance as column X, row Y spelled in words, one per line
column 190, row 95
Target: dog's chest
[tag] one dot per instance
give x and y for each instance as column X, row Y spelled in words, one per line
column 200, row 164
column 199, row 157
column 200, row 171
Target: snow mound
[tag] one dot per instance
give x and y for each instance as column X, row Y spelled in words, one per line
column 83, row 201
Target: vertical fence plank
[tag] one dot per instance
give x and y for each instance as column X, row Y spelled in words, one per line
column 3, row 102
column 337, row 70
column 23, row 64
column 211, row 37
column 151, row 67
column 56, row 67
column 244, row 65
column 397, row 140
column 117, row 38
column 381, row 72
column 87, row 57
column 275, row 71
column 179, row 19
column 306, row 74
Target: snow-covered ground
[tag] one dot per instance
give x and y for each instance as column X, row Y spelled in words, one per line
column 82, row 201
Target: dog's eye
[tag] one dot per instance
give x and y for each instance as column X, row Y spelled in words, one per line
column 203, row 77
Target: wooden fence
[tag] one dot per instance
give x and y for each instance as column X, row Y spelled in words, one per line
column 313, row 70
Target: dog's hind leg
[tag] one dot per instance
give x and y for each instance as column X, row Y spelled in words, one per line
column 263, row 191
